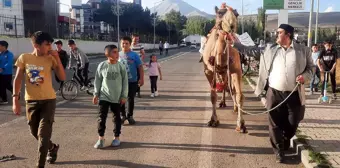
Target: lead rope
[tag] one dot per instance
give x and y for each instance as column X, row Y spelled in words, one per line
column 238, row 105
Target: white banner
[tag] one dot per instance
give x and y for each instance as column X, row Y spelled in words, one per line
column 294, row 4
column 245, row 39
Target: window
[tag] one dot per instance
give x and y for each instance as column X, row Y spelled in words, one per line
column 7, row 3
column 8, row 26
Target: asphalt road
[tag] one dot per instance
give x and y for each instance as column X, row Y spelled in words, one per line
column 170, row 131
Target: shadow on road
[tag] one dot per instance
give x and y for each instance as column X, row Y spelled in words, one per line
column 121, row 163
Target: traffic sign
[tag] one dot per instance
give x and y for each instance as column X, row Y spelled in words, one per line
column 284, row 4
column 273, row 4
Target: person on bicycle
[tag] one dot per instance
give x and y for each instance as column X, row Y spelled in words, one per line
column 63, row 58
column 327, row 63
column 82, row 62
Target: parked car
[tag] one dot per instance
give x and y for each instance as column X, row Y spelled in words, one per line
column 193, row 45
column 183, row 44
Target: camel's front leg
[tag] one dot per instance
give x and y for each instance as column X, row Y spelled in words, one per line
column 214, row 122
column 239, row 102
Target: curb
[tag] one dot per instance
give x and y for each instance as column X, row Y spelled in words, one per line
column 299, row 147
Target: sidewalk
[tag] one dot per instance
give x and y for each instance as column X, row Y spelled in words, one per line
column 321, row 126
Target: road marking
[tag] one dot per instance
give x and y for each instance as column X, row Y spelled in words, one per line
column 205, row 157
column 65, row 101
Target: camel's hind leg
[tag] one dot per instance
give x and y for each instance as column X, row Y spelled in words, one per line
column 239, row 98
column 222, row 101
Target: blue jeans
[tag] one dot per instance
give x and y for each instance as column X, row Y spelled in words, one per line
column 315, row 79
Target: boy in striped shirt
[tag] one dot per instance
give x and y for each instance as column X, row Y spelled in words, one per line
column 139, row 49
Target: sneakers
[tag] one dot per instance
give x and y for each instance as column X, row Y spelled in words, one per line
column 156, row 93
column 131, row 120
column 100, row 144
column 334, row 96
column 3, row 102
column 52, row 154
column 152, row 95
column 115, row 143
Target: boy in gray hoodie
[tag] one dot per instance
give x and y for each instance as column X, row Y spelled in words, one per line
column 110, row 91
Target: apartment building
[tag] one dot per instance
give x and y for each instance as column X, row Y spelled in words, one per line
column 11, row 18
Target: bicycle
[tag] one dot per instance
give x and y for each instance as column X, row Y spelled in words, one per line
column 69, row 90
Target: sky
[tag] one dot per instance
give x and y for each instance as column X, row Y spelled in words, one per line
column 250, row 6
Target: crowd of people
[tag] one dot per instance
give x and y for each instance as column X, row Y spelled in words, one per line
column 117, row 80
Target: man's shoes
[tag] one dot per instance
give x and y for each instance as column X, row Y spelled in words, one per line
column 131, row 120
column 279, row 157
column 52, row 154
column 115, row 143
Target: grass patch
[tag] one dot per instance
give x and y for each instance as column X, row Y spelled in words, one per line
column 316, row 157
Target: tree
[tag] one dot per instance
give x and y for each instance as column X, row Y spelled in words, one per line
column 196, row 25
column 261, row 21
column 175, row 22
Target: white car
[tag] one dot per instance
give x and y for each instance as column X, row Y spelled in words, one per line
column 193, row 46
column 183, row 45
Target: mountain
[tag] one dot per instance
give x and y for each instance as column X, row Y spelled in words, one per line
column 178, row 5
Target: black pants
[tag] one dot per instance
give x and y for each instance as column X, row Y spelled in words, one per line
column 103, row 111
column 284, row 121
column 5, row 84
column 166, row 51
column 326, row 79
column 138, row 88
column 83, row 73
column 160, row 50
column 153, row 81
column 131, row 100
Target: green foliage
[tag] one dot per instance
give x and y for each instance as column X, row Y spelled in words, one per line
column 196, row 25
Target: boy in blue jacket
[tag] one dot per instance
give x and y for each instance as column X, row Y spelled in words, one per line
column 6, row 71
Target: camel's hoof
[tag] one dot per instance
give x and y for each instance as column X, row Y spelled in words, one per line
column 242, row 129
column 223, row 105
column 212, row 123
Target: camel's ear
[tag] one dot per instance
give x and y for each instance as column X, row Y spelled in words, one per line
column 216, row 9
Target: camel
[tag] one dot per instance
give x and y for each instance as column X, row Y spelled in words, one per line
column 222, row 70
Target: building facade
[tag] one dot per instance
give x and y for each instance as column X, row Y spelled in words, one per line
column 11, row 18
column 41, row 15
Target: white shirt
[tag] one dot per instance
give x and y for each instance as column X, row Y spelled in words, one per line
column 166, row 45
column 282, row 76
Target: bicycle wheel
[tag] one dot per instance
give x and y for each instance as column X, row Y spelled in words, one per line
column 69, row 90
column 90, row 86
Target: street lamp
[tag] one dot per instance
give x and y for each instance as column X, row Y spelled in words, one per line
column 317, row 22
column 118, row 12
column 310, row 23
column 154, row 23
column 69, row 18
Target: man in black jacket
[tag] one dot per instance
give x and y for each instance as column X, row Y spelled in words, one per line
column 63, row 58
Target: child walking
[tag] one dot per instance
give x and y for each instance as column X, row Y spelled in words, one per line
column 154, row 72
column 110, row 91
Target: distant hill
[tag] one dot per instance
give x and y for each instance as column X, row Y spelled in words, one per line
column 178, row 5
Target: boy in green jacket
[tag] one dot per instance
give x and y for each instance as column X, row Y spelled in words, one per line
column 110, row 91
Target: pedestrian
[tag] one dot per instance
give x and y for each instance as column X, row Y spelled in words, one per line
column 110, row 91
column 36, row 69
column 166, row 47
column 133, row 64
column 283, row 65
column 82, row 63
column 316, row 71
column 160, row 47
column 63, row 58
column 327, row 63
column 154, row 72
column 139, row 49
column 6, row 71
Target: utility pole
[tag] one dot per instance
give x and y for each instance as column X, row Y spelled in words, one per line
column 310, row 23
column 242, row 19
column 118, row 38
column 317, row 22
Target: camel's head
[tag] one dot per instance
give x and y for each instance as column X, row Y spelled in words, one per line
column 227, row 17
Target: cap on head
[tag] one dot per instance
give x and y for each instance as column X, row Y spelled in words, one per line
column 288, row 28
column 71, row 42
column 58, row 42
